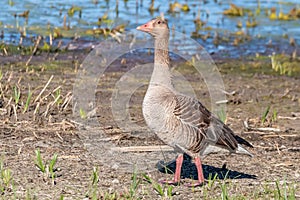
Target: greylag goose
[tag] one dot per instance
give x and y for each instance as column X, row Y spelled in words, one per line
column 180, row 121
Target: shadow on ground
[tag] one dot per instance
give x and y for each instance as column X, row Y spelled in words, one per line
column 189, row 170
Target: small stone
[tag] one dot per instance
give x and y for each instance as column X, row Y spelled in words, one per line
column 110, row 190
column 115, row 181
column 108, row 127
column 115, row 166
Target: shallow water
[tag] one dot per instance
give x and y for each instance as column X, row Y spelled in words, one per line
column 45, row 15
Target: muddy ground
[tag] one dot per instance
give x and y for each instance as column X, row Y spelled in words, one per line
column 52, row 129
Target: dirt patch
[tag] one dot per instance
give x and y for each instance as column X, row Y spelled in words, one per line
column 52, row 129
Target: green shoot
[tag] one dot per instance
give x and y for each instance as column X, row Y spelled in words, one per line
column 158, row 188
column 27, row 100
column 17, row 94
column 39, row 162
column 52, row 163
column 82, row 113
column 92, row 191
column 274, row 116
column 47, row 169
column 278, row 189
column 211, row 180
column 51, row 166
column 170, row 191
column 292, row 193
column 95, row 176
column 134, row 184
column 57, row 96
column 265, row 114
column 222, row 115
column 162, row 191
column 224, row 189
column 5, row 178
column 224, row 193
column 281, row 67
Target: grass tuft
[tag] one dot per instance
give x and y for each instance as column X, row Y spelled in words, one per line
column 47, row 169
column 265, row 114
column 82, row 113
column 134, row 185
column 163, row 191
column 39, row 161
column 17, row 94
column 6, row 179
column 27, row 100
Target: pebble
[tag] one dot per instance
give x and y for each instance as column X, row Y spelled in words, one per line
column 115, row 181
column 115, row 166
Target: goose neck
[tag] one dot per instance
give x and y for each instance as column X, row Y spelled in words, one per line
column 161, row 73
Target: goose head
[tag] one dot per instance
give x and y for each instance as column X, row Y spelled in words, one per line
column 156, row 27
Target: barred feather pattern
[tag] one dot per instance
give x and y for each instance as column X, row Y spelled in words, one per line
column 180, row 121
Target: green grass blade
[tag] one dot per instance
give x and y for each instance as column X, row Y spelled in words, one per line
column 27, row 101
column 265, row 114
column 52, row 163
column 17, row 94
column 39, row 162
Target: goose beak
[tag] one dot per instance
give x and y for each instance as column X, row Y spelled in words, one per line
column 146, row 27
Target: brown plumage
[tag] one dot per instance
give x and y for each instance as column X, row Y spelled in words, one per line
column 180, row 121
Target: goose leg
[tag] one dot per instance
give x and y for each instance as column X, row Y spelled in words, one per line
column 179, row 161
column 199, row 172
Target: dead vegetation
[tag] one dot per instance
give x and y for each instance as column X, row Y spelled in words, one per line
column 36, row 115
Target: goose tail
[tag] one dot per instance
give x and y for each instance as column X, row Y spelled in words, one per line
column 242, row 150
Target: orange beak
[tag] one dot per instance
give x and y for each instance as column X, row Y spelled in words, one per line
column 146, row 27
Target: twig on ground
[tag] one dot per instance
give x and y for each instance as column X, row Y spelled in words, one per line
column 143, row 148
column 77, row 123
column 285, row 93
column 284, row 164
column 64, row 124
column 36, row 110
column 43, row 90
column 59, row 136
column 291, row 118
column 281, row 135
column 47, row 109
column 47, row 95
column 68, row 99
column 34, row 50
column 222, row 101
column 55, row 100
column 277, row 147
column 15, row 112
column 296, row 114
column 8, row 103
column 263, row 129
column 229, row 93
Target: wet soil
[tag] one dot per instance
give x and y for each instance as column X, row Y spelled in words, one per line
column 52, row 129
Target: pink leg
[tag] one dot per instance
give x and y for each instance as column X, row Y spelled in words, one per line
column 199, row 172
column 176, row 180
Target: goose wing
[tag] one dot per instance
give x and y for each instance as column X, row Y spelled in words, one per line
column 192, row 113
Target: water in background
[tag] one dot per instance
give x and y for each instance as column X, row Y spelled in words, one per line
column 46, row 14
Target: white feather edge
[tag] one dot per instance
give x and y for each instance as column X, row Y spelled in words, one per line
column 215, row 149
